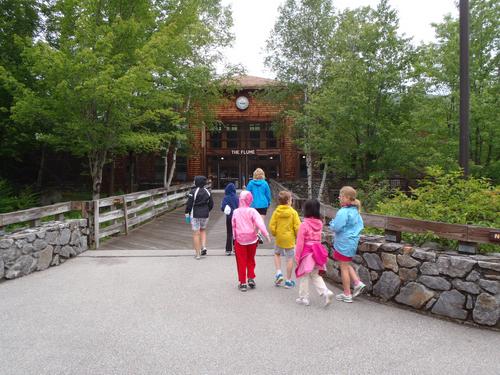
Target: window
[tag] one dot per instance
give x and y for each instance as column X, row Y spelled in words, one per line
column 216, row 138
column 272, row 142
column 232, row 136
column 254, row 136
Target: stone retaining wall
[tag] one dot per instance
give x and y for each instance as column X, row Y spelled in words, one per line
column 38, row 248
column 463, row 287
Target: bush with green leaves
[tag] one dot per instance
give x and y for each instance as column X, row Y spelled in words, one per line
column 449, row 198
column 10, row 201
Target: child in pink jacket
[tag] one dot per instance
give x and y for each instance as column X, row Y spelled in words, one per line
column 311, row 255
column 246, row 224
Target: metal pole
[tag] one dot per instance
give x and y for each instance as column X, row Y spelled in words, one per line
column 464, row 86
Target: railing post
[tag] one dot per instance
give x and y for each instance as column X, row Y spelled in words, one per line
column 392, row 236
column 467, row 247
column 96, row 223
column 125, row 215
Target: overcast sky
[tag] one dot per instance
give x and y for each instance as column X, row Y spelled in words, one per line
column 254, row 19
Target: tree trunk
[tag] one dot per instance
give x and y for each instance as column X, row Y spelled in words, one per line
column 39, row 179
column 323, row 182
column 112, row 178
column 174, row 162
column 165, row 166
column 131, row 161
column 97, row 159
column 309, row 173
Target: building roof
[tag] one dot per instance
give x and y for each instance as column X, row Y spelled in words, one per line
column 252, row 82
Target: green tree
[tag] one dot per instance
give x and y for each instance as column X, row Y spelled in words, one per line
column 296, row 52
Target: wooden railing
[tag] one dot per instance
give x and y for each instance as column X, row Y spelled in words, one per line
column 107, row 216
column 468, row 236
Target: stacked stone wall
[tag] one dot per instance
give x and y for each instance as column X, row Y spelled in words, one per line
column 445, row 283
column 38, row 248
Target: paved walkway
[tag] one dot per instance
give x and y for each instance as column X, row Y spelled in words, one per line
column 157, row 311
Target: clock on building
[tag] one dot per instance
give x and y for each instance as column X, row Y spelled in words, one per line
column 242, row 103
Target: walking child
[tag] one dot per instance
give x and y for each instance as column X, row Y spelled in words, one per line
column 228, row 205
column 284, row 226
column 246, row 222
column 347, row 226
column 311, row 255
column 198, row 207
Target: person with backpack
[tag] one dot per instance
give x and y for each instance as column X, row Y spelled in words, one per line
column 228, row 205
column 198, row 207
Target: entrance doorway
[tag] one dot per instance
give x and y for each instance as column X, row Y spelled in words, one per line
column 238, row 169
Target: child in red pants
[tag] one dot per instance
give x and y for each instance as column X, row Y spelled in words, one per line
column 247, row 222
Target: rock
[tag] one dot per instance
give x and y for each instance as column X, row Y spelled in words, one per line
column 451, row 304
column 429, row 268
column 391, row 247
column 373, row 261
column 431, row 245
column 41, row 234
column 387, row 286
column 364, row 276
column 495, row 266
column 75, row 238
column 11, row 254
column 39, row 244
column 414, row 295
column 470, row 303
column 31, row 237
column 424, row 255
column 371, row 247
column 334, row 274
column 83, row 223
column 66, row 251
column 434, row 282
column 2, row 268
column 84, row 243
column 27, row 249
column 23, row 266
column 407, row 250
column 6, row 243
column 357, row 259
column 455, row 266
column 430, row 303
column 407, row 261
column 466, row 286
column 408, row 274
column 64, row 236
column 390, row 262
column 373, row 275
column 51, row 238
column 492, row 276
column 55, row 260
column 487, row 309
column 473, row 276
column 45, row 258
column 490, row 286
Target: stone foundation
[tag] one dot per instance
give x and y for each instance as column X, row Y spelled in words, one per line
column 38, row 248
column 457, row 286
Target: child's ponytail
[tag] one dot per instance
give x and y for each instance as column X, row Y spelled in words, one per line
column 350, row 193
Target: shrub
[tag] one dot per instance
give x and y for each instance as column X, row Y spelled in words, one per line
column 447, row 197
column 9, row 201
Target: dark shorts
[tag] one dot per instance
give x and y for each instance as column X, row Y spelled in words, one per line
column 262, row 211
column 341, row 258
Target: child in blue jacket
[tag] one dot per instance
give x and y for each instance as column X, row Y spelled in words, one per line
column 347, row 226
column 228, row 205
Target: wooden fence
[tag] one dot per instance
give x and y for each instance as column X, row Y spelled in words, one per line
column 107, row 216
column 468, row 236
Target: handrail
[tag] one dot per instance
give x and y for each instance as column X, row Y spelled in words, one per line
column 467, row 235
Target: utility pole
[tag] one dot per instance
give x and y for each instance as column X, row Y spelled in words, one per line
column 464, row 87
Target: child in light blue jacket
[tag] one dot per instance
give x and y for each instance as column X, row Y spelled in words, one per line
column 347, row 226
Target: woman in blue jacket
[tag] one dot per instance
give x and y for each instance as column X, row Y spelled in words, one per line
column 261, row 194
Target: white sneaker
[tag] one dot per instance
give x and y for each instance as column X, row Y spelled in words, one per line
column 342, row 297
column 328, row 297
column 303, row 301
column 358, row 289
column 197, row 257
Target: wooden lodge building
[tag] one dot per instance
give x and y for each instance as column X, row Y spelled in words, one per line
column 243, row 141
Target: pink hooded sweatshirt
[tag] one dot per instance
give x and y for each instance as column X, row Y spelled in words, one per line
column 309, row 233
column 246, row 221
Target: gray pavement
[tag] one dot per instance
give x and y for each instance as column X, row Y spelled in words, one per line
column 166, row 313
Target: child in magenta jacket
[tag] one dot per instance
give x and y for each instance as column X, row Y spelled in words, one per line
column 246, row 223
column 311, row 255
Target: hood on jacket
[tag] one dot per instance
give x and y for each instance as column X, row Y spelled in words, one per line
column 315, row 224
column 230, row 189
column 283, row 211
column 200, row 181
column 258, row 182
column 246, row 198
